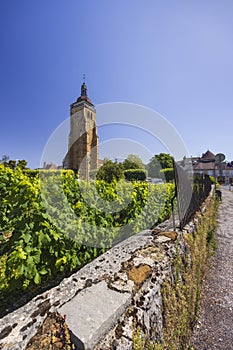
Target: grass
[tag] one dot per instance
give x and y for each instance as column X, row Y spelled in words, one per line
column 181, row 300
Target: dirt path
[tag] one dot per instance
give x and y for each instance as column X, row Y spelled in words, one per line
column 214, row 329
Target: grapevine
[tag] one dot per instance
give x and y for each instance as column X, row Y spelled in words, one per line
column 48, row 221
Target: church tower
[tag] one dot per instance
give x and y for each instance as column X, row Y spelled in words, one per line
column 83, row 139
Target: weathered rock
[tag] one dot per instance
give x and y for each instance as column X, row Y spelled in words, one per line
column 170, row 234
column 93, row 312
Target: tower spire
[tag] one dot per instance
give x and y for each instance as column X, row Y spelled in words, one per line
column 83, row 96
column 84, row 87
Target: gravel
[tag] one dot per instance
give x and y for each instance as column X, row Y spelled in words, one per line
column 214, row 329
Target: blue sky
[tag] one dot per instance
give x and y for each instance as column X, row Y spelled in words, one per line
column 175, row 57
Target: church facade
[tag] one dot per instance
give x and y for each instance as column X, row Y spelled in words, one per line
column 82, row 154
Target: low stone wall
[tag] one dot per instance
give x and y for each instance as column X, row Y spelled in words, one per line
column 106, row 299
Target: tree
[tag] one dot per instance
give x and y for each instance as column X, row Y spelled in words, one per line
column 22, row 164
column 4, row 159
column 110, row 171
column 12, row 164
column 158, row 162
column 133, row 162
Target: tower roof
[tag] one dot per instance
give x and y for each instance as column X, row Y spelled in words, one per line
column 83, row 96
column 208, row 156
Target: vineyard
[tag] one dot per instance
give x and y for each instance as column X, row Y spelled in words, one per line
column 52, row 224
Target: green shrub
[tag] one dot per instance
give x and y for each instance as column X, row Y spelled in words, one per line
column 110, row 171
column 168, row 173
column 135, row 174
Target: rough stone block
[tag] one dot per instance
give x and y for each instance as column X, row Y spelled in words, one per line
column 93, row 312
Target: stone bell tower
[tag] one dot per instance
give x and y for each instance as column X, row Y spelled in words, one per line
column 83, row 139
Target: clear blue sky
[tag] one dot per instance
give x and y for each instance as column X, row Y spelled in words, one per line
column 175, row 57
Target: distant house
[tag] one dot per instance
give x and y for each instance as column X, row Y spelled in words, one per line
column 206, row 165
column 49, row 166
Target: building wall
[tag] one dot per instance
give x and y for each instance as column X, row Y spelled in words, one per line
column 83, row 139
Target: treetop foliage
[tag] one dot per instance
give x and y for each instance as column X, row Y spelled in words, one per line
column 110, row 171
column 133, row 162
column 158, row 162
column 13, row 164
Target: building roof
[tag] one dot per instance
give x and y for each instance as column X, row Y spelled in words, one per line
column 49, row 166
column 83, row 96
column 204, row 166
column 227, row 166
column 208, row 156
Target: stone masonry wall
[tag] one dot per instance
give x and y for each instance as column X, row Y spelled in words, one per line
column 106, row 298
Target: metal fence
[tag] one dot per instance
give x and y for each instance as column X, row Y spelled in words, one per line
column 191, row 191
